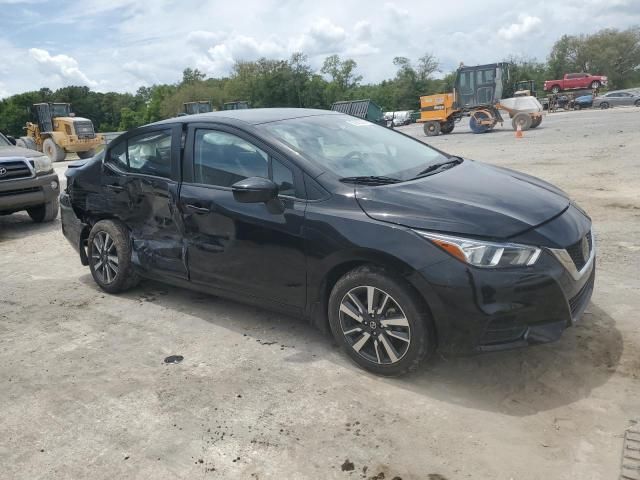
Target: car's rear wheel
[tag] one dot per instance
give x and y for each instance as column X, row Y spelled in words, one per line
column 45, row 213
column 109, row 253
column 555, row 89
column 604, row 105
column 380, row 322
column 637, row 104
column 595, row 84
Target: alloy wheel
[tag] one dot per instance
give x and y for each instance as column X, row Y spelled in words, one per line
column 374, row 325
column 104, row 257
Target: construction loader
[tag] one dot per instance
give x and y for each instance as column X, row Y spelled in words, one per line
column 192, row 108
column 477, row 94
column 56, row 131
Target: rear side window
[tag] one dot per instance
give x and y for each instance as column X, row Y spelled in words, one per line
column 222, row 159
column 148, row 154
column 118, row 156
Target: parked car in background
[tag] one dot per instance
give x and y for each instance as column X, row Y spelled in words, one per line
column 27, row 182
column 574, row 81
column 617, row 98
column 584, row 101
column 395, row 247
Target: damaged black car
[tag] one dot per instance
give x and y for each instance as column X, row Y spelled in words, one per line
column 397, row 248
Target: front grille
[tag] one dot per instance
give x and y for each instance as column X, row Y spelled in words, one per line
column 14, row 169
column 577, row 254
column 578, row 300
column 84, row 129
column 19, row 191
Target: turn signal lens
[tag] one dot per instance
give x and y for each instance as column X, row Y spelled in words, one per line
column 485, row 254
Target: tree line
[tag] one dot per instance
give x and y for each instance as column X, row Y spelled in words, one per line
column 293, row 83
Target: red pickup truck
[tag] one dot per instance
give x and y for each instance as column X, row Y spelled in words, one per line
column 573, row 81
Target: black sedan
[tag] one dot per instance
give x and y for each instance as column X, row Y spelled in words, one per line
column 399, row 249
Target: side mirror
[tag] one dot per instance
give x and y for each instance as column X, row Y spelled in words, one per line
column 11, row 139
column 254, row 190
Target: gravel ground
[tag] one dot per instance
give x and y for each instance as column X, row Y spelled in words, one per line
column 85, row 393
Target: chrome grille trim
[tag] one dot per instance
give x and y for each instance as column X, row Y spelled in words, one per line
column 565, row 259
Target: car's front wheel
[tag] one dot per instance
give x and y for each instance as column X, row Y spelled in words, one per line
column 379, row 320
column 109, row 253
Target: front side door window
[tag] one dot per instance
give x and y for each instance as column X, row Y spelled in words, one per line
column 222, row 159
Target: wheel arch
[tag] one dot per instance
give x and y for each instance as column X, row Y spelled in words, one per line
column 350, row 260
column 89, row 220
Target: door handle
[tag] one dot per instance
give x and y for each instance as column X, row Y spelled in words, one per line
column 197, row 209
column 115, row 188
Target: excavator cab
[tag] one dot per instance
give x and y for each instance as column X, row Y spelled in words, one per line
column 191, row 108
column 480, row 85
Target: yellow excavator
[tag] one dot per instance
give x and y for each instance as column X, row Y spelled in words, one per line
column 477, row 94
column 56, row 131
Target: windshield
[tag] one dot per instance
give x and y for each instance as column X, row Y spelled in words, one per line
column 350, row 147
column 4, row 142
column 60, row 110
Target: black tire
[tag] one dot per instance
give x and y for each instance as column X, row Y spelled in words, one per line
column 555, row 89
column 536, row 122
column 431, row 129
column 637, row 103
column 522, row 119
column 604, row 105
column 112, row 277
column 53, row 151
column 87, row 154
column 447, row 127
column 45, row 213
column 384, row 340
column 595, row 84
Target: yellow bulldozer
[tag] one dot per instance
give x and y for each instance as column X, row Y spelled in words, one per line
column 477, row 94
column 56, row 131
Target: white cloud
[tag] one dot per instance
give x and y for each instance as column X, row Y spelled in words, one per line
column 397, row 13
column 321, row 38
column 363, row 30
column 62, row 66
column 205, row 39
column 147, row 42
column 526, row 24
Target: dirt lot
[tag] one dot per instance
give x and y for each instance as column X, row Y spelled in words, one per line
column 85, row 393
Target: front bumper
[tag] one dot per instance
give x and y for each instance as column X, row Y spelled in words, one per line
column 16, row 195
column 478, row 309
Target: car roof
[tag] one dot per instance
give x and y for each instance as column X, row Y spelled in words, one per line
column 253, row 116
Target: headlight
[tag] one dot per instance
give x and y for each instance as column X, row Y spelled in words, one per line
column 485, row 254
column 42, row 164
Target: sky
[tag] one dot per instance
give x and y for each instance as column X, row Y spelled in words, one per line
column 120, row 45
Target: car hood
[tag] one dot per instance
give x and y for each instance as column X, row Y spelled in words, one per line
column 469, row 199
column 19, row 152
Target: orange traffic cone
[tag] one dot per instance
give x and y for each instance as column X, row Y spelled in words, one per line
column 519, row 133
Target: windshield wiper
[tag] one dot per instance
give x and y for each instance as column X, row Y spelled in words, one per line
column 453, row 161
column 371, row 180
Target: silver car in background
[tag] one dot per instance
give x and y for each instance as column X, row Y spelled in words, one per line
column 617, row 98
